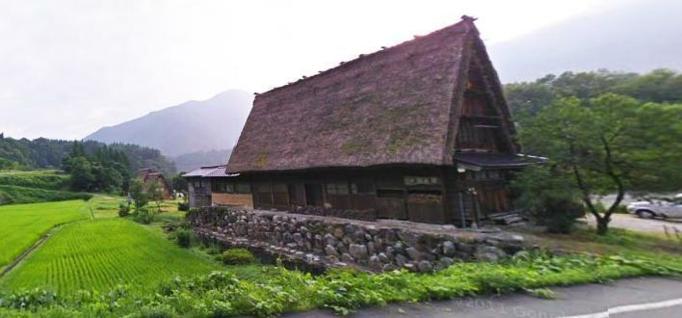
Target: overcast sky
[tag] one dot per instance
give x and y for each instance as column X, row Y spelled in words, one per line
column 68, row 68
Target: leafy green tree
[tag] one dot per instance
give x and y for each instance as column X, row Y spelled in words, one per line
column 138, row 193
column 180, row 183
column 155, row 192
column 609, row 144
column 81, row 172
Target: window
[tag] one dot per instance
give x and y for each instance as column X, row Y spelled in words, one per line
column 361, row 188
column 242, row 187
column 337, row 188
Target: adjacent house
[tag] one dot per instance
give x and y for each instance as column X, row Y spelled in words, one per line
column 149, row 175
column 419, row 131
column 211, row 185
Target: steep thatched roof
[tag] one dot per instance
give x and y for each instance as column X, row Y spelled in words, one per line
column 395, row 106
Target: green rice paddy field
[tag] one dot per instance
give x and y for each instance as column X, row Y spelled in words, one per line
column 21, row 225
column 95, row 251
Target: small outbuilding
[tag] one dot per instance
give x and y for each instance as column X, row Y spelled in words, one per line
column 211, row 185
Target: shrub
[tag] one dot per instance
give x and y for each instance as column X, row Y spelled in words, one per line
column 144, row 215
column 183, row 237
column 237, row 256
column 548, row 198
column 183, row 206
column 560, row 214
column 123, row 209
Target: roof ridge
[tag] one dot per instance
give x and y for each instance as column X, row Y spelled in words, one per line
column 465, row 20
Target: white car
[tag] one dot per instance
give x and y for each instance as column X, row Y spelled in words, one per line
column 662, row 209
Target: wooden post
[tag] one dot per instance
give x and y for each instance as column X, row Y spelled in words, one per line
column 461, row 209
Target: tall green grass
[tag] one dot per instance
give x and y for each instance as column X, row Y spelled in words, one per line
column 22, row 225
column 99, row 254
column 16, row 195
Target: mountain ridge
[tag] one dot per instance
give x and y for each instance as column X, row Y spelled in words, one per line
column 189, row 127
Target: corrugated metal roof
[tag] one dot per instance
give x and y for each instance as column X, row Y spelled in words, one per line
column 210, row 172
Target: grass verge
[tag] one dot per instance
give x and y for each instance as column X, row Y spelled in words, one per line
column 277, row 290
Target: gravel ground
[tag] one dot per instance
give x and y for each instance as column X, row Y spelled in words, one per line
column 630, row 222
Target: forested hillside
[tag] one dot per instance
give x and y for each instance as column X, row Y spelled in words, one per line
column 44, row 153
column 526, row 99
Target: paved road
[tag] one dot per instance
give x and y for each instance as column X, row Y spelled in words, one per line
column 629, row 298
column 631, row 222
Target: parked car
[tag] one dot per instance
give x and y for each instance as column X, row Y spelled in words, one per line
column 653, row 209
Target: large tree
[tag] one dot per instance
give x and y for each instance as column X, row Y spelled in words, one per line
column 609, row 144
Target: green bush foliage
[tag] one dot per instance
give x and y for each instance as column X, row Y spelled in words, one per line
column 14, row 194
column 277, row 290
column 144, row 215
column 123, row 209
column 237, row 256
column 548, row 198
column 183, row 237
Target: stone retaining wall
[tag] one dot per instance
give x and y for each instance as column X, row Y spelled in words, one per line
column 373, row 245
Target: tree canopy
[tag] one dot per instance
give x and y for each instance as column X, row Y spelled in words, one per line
column 609, row 144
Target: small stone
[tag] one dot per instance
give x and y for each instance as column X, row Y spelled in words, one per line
column 446, row 262
column 347, row 258
column 370, row 248
column 338, row 232
column 425, row 266
column 465, row 247
column 297, row 237
column 449, row 248
column 331, row 250
column 413, row 253
column 375, row 262
column 400, row 260
column 358, row 251
column 383, row 258
column 388, row 267
column 330, row 239
column 489, row 253
column 390, row 251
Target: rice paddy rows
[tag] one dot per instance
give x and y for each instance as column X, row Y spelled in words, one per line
column 101, row 254
column 21, row 225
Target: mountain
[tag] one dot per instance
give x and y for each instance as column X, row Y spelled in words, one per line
column 190, row 161
column 190, row 127
column 636, row 37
